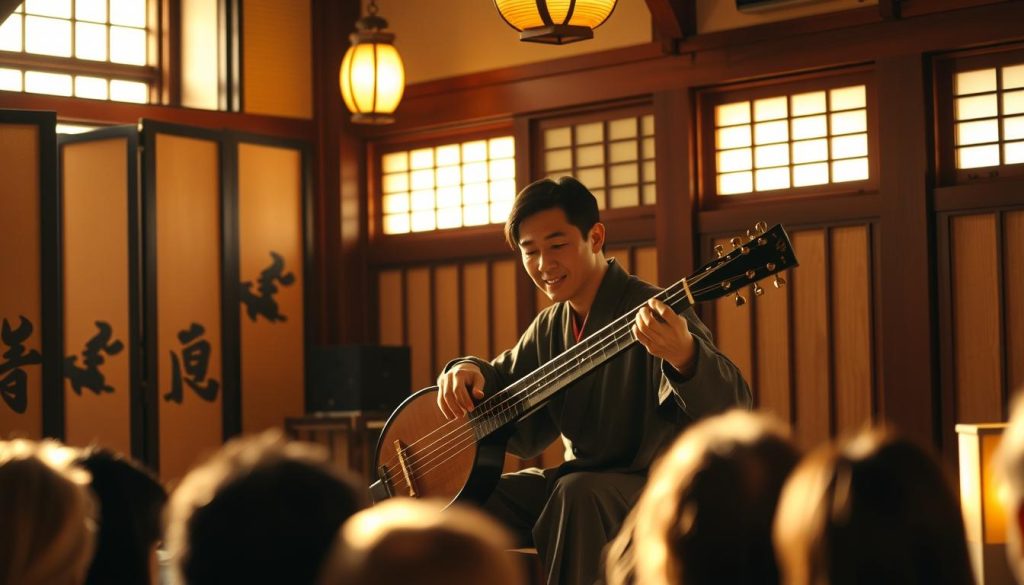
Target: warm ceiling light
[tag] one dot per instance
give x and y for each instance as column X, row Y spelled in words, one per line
column 372, row 77
column 555, row 22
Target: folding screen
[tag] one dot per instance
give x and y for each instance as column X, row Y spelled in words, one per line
column 184, row 305
column 30, row 327
column 268, row 201
column 99, row 198
column 182, row 283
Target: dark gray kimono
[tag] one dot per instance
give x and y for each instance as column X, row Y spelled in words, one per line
column 617, row 419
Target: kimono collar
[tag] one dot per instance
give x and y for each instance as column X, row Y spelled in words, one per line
column 606, row 301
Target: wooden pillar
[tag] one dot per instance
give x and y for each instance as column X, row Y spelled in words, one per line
column 340, row 276
column 675, row 223
column 906, row 333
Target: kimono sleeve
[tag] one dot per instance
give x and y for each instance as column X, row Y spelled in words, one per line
column 713, row 383
column 537, row 430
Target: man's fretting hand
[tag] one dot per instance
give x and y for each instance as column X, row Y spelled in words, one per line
column 664, row 334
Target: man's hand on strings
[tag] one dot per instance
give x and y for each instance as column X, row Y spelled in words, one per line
column 664, row 334
column 454, row 388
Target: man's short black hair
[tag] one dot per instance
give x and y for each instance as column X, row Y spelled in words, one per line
column 567, row 194
column 131, row 502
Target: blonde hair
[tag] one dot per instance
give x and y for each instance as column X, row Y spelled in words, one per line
column 416, row 541
column 874, row 509
column 47, row 513
column 706, row 513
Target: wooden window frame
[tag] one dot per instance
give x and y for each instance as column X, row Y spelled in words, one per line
column 636, row 109
column 945, row 68
column 437, row 242
column 162, row 45
column 708, row 99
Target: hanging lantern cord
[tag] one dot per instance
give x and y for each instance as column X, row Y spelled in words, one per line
column 371, row 21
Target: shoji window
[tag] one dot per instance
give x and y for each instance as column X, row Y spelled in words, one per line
column 447, row 186
column 611, row 152
column 981, row 115
column 96, row 49
column 810, row 136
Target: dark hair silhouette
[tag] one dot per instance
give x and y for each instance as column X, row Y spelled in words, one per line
column 876, row 509
column 261, row 511
column 131, row 503
column 706, row 514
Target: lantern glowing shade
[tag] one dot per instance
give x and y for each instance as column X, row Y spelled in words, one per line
column 555, row 21
column 372, row 77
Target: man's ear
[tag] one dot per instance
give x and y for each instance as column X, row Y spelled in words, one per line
column 596, row 237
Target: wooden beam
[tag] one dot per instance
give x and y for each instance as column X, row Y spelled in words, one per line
column 673, row 19
column 108, row 112
column 889, row 9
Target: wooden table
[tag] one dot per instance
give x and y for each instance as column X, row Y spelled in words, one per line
column 350, row 436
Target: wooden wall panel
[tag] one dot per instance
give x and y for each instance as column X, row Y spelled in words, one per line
column 1013, row 259
column 811, row 338
column 271, row 262
column 188, row 297
column 504, row 332
column 21, row 291
column 390, row 295
column 476, row 310
column 732, row 328
column 97, row 320
column 447, row 316
column 419, row 327
column 277, row 58
column 772, row 387
column 646, row 267
column 976, row 318
column 851, row 326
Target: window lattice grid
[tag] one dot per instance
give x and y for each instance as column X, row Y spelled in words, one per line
column 614, row 158
column 77, row 48
column 988, row 114
column 791, row 141
column 448, row 186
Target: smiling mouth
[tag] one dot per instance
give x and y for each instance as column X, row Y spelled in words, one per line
column 553, row 281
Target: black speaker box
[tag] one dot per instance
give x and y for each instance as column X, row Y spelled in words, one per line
column 369, row 378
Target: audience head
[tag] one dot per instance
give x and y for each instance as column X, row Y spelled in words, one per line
column 261, row 510
column 131, row 504
column 1011, row 470
column 47, row 515
column 875, row 509
column 706, row 513
column 567, row 194
column 404, row 541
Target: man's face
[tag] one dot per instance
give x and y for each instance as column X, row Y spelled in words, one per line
column 561, row 262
